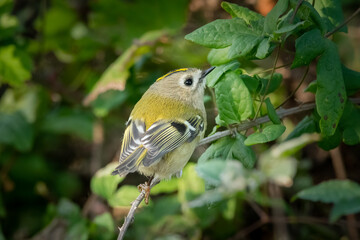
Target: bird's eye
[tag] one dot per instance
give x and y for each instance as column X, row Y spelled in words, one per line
column 188, row 81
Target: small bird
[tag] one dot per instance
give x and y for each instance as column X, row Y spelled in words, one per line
column 165, row 127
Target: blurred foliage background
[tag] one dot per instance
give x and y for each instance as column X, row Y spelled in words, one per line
column 56, row 131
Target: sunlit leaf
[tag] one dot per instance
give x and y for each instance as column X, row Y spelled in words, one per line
column 106, row 221
column 241, row 12
column 233, row 98
column 124, row 196
column 269, row 133
column 165, row 186
column 15, row 65
column 213, row 78
column 103, row 183
column 115, row 76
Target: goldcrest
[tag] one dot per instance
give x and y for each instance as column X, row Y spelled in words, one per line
column 165, row 126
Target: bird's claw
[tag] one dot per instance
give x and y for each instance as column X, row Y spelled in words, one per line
column 145, row 187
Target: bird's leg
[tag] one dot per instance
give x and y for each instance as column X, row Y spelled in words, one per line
column 146, row 186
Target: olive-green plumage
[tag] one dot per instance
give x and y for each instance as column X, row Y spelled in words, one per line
column 165, row 125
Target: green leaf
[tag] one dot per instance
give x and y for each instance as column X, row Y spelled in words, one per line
column 308, row 13
column 331, row 13
column 330, row 93
column 264, row 49
column 291, row 28
column 271, row 112
column 312, row 87
column 350, row 124
column 106, row 221
column 166, row 186
column 115, row 76
column 6, row 6
column 241, row 12
column 310, row 45
column 269, row 133
column 16, row 131
column 332, row 191
column 210, row 171
column 216, row 74
column 330, row 142
column 222, row 33
column 273, row 16
column 252, row 83
column 70, row 121
column 289, row 147
column 233, row 98
column 351, row 80
column 229, row 148
column 15, row 65
column 306, row 125
column 107, row 101
column 124, row 196
column 217, row 57
column 274, row 84
column 68, row 210
column 280, row 170
column 190, row 184
column 243, row 45
column 103, row 183
column 9, row 26
column 344, row 208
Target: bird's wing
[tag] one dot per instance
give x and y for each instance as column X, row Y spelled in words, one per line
column 140, row 146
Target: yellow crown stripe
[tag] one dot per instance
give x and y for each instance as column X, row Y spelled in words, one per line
column 169, row 73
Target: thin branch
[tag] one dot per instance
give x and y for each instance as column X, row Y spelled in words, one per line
column 270, row 69
column 246, row 125
column 297, row 88
column 281, row 113
column 343, row 24
column 268, row 83
column 296, row 10
column 130, row 217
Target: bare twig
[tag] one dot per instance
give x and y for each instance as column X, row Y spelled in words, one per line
column 281, row 113
column 296, row 10
column 130, row 217
column 340, row 172
column 268, row 83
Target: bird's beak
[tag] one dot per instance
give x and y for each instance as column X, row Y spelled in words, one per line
column 204, row 73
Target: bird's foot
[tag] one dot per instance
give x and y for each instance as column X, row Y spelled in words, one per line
column 145, row 187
